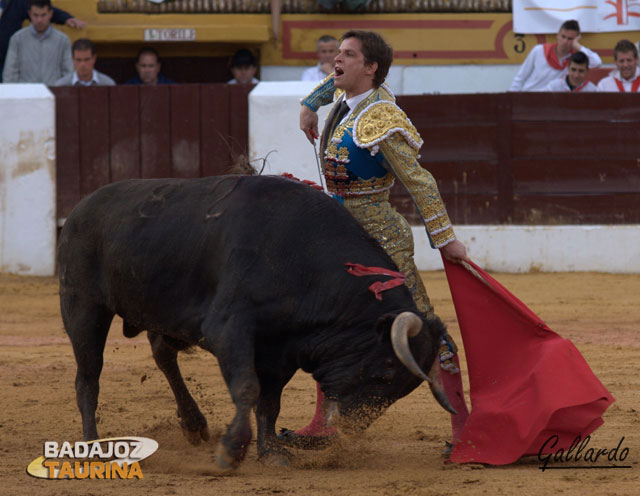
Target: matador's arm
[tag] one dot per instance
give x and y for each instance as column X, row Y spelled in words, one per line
column 420, row 184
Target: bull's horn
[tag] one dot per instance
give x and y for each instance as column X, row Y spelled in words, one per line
column 436, row 387
column 405, row 326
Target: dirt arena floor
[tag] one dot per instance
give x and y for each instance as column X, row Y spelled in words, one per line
column 400, row 454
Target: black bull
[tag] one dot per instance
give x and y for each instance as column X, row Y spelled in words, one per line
column 251, row 269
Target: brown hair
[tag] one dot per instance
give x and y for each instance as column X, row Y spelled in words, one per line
column 374, row 49
column 624, row 46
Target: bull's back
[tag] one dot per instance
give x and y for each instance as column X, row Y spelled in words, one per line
column 158, row 249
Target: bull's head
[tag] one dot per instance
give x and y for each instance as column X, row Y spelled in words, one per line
column 391, row 371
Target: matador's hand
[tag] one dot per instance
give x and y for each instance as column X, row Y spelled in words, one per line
column 309, row 123
column 455, row 252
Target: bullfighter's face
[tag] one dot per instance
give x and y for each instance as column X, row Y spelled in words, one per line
column 352, row 73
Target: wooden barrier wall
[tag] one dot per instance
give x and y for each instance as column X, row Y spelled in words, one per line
column 531, row 158
column 510, row 158
column 105, row 134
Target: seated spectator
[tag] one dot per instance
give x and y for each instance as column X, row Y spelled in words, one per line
column 243, row 66
column 550, row 61
column 327, row 49
column 84, row 60
column 148, row 67
column 14, row 12
column 625, row 78
column 576, row 79
column 38, row 53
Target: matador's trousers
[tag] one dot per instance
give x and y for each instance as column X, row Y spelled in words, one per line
column 393, row 232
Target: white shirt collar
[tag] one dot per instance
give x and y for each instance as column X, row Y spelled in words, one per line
column 76, row 80
column 355, row 100
column 616, row 74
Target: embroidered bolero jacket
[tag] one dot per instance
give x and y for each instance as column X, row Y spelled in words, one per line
column 375, row 145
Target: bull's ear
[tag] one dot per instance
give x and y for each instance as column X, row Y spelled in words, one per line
column 383, row 327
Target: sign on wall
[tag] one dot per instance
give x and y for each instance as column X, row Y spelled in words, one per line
column 594, row 16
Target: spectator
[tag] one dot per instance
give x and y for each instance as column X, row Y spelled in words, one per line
column 550, row 61
column 84, row 60
column 12, row 15
column 148, row 67
column 576, row 79
column 243, row 67
column 327, row 49
column 625, row 78
column 38, row 53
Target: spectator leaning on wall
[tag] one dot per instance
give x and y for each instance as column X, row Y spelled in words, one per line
column 14, row 12
column 550, row 61
column 38, row 53
column 84, row 61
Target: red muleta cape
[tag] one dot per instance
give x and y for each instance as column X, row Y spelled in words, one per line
column 526, row 382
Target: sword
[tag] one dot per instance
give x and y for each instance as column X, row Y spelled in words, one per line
column 320, row 175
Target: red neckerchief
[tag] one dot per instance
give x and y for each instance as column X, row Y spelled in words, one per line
column 579, row 88
column 634, row 86
column 377, row 287
column 552, row 58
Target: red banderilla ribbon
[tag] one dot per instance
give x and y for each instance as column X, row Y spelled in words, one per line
column 377, row 287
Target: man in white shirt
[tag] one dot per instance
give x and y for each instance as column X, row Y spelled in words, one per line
column 550, row 61
column 327, row 49
column 576, row 79
column 84, row 61
column 625, row 78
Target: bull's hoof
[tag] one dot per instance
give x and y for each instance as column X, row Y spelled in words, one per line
column 279, row 458
column 293, row 440
column 225, row 462
column 194, row 437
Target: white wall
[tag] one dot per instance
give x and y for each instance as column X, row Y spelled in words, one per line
column 273, row 125
column 27, row 180
column 418, row 79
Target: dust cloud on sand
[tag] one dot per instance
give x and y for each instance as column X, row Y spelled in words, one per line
column 400, row 454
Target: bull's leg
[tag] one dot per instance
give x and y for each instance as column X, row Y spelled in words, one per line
column 193, row 423
column 233, row 344
column 270, row 450
column 87, row 326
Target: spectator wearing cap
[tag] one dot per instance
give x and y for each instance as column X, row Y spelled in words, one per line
column 148, row 66
column 84, row 60
column 243, row 67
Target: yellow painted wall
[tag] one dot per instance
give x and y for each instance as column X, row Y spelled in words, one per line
column 417, row 39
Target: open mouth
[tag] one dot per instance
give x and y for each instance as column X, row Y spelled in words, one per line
column 338, row 71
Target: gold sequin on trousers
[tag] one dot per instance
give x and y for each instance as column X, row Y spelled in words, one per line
column 393, row 232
